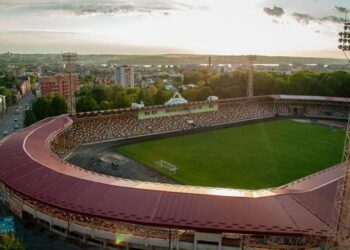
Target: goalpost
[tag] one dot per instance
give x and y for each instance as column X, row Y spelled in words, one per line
column 171, row 167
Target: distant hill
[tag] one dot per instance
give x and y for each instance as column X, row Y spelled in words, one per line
column 174, row 59
column 202, row 59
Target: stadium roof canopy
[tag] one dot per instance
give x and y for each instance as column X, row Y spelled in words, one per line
column 28, row 166
column 311, row 98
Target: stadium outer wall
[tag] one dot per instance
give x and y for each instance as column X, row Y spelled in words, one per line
column 25, row 188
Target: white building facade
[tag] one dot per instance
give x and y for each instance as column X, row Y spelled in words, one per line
column 125, row 76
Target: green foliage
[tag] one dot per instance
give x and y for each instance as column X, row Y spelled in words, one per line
column 229, row 85
column 58, row 105
column 195, row 76
column 99, row 93
column 86, row 103
column 29, row 118
column 105, row 105
column 260, row 155
column 161, row 96
column 33, row 80
column 223, row 85
column 9, row 242
column 8, row 94
column 46, row 106
column 8, row 80
column 109, row 97
column 41, row 107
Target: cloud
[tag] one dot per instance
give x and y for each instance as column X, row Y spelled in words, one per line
column 303, row 18
column 275, row 11
column 93, row 7
column 37, row 33
column 332, row 19
column 341, row 9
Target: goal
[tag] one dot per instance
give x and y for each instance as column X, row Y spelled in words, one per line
column 170, row 167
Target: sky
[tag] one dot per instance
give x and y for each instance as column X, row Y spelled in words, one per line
column 224, row 27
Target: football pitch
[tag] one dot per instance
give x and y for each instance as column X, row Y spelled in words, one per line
column 260, row 155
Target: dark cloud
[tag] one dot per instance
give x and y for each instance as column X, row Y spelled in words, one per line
column 303, row 18
column 341, row 9
column 332, row 19
column 306, row 18
column 275, row 11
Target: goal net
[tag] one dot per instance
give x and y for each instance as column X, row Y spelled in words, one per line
column 168, row 166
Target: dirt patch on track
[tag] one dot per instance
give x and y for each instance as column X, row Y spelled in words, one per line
column 102, row 158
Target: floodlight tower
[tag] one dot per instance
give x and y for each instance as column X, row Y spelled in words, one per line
column 209, row 64
column 69, row 59
column 250, row 87
column 341, row 211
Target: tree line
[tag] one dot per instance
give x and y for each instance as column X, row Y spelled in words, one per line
column 223, row 85
column 102, row 97
column 45, row 106
column 234, row 84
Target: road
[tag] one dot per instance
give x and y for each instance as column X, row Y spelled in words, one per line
column 7, row 122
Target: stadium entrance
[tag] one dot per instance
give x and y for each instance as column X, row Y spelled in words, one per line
column 297, row 110
column 204, row 240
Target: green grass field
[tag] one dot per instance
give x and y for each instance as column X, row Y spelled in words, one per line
column 255, row 156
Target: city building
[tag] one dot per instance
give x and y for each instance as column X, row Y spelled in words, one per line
column 58, row 84
column 2, row 103
column 101, row 80
column 125, row 76
column 24, row 87
column 19, row 72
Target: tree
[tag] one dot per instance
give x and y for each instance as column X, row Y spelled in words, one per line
column 29, row 118
column 41, row 107
column 194, row 77
column 86, row 103
column 105, row 105
column 59, row 105
column 161, row 96
column 9, row 242
column 149, row 95
column 99, row 93
column 122, row 100
column 85, row 90
column 8, row 94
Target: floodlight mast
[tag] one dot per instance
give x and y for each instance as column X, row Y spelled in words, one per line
column 69, row 59
column 340, row 223
column 250, row 87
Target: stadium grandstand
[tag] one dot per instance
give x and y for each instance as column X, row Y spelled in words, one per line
column 37, row 184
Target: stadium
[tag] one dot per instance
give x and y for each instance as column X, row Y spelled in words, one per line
column 37, row 183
